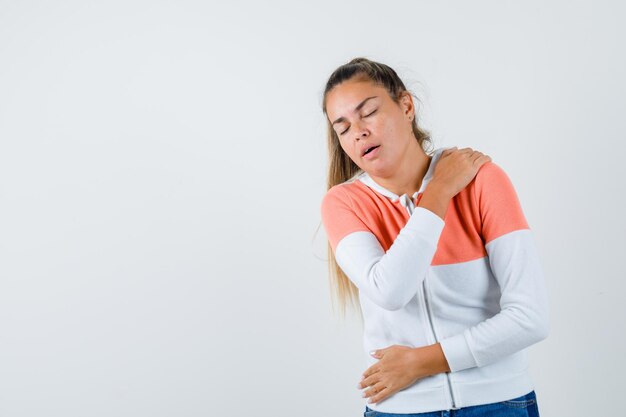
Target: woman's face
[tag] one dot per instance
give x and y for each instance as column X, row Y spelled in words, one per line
column 363, row 115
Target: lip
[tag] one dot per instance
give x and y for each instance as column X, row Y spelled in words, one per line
column 366, row 148
column 372, row 154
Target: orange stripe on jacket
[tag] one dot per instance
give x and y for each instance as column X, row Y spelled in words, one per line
column 484, row 210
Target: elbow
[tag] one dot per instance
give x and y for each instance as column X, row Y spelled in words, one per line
column 533, row 322
column 391, row 301
column 391, row 305
column 532, row 317
column 540, row 327
column 540, row 332
column 543, row 329
column 388, row 303
column 542, row 322
column 386, row 293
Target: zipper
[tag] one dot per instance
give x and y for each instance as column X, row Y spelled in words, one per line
column 432, row 328
column 408, row 203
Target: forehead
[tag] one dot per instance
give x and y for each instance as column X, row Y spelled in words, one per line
column 344, row 97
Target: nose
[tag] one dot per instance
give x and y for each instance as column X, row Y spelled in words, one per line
column 360, row 130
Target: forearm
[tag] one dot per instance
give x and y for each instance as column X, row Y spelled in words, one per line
column 523, row 318
column 391, row 278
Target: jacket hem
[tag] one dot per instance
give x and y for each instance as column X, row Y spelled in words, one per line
column 466, row 394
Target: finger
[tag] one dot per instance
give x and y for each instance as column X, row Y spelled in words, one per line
column 482, row 159
column 379, row 386
column 448, row 151
column 370, row 371
column 381, row 396
column 369, row 381
column 475, row 156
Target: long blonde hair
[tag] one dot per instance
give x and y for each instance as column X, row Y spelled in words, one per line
column 341, row 168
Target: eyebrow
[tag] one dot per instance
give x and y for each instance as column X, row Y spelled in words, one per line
column 357, row 108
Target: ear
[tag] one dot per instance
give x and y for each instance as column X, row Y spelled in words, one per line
column 406, row 101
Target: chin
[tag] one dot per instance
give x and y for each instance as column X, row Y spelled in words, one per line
column 380, row 171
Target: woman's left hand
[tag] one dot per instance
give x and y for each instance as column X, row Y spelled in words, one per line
column 400, row 366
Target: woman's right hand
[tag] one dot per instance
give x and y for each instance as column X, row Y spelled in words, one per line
column 456, row 168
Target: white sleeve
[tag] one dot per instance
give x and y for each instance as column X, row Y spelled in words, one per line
column 524, row 316
column 391, row 279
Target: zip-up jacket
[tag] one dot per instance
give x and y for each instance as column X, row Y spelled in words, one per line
column 472, row 282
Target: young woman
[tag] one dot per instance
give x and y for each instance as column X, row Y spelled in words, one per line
column 437, row 250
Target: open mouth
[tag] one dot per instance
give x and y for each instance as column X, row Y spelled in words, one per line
column 370, row 149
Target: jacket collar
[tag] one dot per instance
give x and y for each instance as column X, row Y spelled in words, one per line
column 367, row 180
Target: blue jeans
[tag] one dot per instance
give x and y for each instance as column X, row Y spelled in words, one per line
column 524, row 406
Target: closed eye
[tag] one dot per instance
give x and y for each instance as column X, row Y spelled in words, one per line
column 367, row 115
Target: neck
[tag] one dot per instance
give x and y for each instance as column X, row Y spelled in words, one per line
column 408, row 175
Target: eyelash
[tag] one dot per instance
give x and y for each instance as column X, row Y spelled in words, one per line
column 367, row 115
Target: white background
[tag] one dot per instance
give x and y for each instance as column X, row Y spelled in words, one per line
column 161, row 170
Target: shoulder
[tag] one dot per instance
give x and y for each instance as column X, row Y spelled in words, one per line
column 342, row 194
column 497, row 201
column 490, row 171
column 336, row 205
column 336, row 194
column 491, row 178
column 338, row 215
